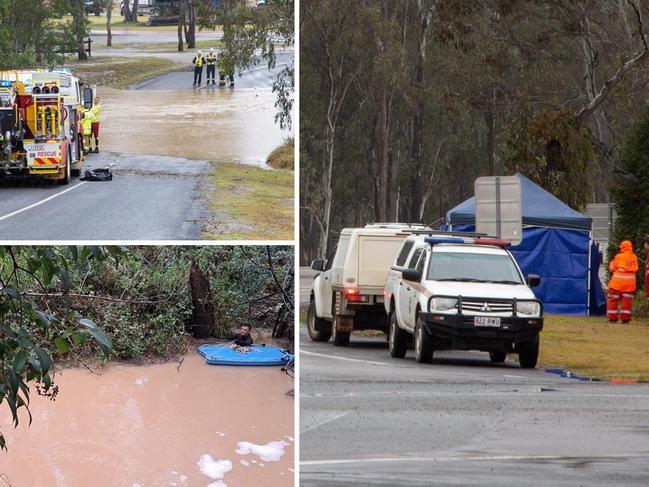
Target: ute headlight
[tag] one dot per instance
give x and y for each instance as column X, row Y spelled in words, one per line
column 528, row 308
column 442, row 304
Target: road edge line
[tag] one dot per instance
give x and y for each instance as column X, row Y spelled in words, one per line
column 38, row 203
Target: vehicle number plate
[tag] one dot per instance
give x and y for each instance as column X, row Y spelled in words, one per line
column 492, row 321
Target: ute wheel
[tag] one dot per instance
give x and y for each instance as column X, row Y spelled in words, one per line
column 341, row 338
column 423, row 343
column 397, row 338
column 313, row 323
column 528, row 353
column 497, row 357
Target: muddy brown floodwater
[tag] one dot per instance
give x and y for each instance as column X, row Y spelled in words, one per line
column 221, row 125
column 155, row 425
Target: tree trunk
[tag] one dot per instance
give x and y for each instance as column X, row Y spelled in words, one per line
column 78, row 17
column 181, row 26
column 202, row 305
column 134, row 12
column 425, row 12
column 190, row 25
column 127, row 11
column 109, row 17
column 384, row 158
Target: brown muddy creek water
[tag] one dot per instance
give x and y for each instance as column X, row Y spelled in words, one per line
column 155, row 425
column 221, row 125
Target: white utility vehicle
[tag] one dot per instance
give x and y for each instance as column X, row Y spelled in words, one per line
column 347, row 294
column 461, row 293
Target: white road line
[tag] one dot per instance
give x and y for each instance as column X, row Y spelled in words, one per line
column 303, row 352
column 516, row 376
column 38, row 203
column 491, row 458
column 322, row 423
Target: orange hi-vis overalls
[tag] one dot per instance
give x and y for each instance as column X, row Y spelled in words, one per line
column 622, row 284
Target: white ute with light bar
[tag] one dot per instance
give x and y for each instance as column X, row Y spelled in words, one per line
column 460, row 292
column 347, row 294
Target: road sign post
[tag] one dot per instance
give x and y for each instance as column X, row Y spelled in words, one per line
column 498, row 207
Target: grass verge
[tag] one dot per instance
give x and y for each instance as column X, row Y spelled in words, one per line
column 122, row 72
column 590, row 346
column 250, row 203
column 283, row 157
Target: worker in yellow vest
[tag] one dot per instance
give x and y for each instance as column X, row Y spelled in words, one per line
column 94, row 131
column 211, row 67
column 198, row 62
column 88, row 118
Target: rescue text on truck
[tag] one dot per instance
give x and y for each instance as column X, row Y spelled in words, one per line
column 39, row 124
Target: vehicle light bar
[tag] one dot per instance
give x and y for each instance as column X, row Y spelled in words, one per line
column 441, row 240
column 465, row 240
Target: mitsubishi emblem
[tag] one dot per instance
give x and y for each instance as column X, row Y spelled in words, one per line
column 485, row 308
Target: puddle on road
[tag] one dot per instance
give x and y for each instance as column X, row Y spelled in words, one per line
column 222, row 125
column 156, row 426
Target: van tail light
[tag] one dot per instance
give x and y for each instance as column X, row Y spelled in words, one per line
column 353, row 295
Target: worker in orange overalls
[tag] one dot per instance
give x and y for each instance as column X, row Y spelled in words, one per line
column 622, row 285
column 646, row 269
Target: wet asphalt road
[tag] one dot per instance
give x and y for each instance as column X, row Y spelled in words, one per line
column 367, row 419
column 149, row 198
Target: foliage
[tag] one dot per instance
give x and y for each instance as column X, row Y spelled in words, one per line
column 34, row 33
column 29, row 332
column 552, row 150
column 631, row 191
column 51, row 298
column 444, row 91
column 249, row 37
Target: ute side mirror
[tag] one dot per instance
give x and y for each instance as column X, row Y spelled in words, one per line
column 533, row 280
column 317, row 265
column 411, row 275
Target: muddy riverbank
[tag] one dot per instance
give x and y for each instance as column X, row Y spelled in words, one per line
column 156, row 425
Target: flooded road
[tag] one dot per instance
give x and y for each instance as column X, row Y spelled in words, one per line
column 221, row 125
column 155, row 425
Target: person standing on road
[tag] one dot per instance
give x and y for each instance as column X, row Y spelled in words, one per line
column 94, row 129
column 211, row 67
column 198, row 62
column 88, row 118
column 646, row 270
column 622, row 284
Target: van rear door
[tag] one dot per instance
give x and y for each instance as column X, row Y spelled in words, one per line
column 376, row 255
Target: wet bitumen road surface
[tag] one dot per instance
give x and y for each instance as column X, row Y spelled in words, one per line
column 258, row 77
column 149, row 198
column 369, row 420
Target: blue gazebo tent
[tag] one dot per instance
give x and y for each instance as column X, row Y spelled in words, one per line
column 557, row 245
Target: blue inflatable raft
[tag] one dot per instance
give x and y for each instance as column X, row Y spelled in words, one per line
column 258, row 355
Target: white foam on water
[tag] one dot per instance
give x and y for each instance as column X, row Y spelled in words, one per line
column 270, row 452
column 245, row 463
column 136, row 485
column 214, row 469
column 290, row 438
column 291, row 470
column 218, row 483
column 220, row 433
column 262, row 465
column 141, row 381
column 183, row 478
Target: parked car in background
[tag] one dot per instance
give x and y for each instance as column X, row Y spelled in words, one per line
column 95, row 7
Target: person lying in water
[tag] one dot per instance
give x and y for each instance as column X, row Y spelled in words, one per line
column 242, row 340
